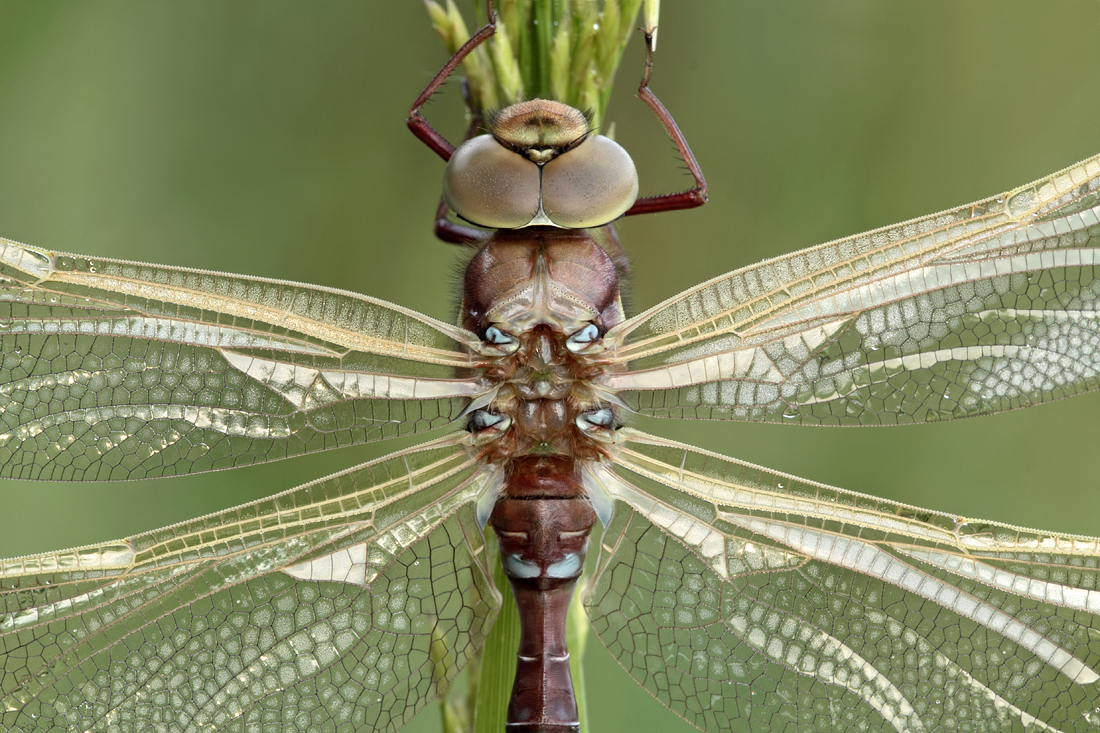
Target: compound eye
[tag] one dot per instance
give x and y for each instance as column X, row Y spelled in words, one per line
column 589, row 186
column 503, row 340
column 483, row 420
column 583, row 339
column 488, row 184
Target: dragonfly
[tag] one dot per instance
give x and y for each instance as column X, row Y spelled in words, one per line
column 760, row 562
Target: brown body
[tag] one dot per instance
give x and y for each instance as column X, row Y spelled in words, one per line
column 541, row 292
column 542, row 524
column 542, row 285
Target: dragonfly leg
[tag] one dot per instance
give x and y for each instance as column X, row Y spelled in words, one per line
column 695, row 196
column 452, row 232
column 416, row 122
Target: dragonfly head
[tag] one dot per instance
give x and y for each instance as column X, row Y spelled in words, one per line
column 541, row 165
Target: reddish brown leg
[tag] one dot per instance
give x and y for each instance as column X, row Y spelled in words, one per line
column 452, row 232
column 445, row 229
column 691, row 198
column 416, row 122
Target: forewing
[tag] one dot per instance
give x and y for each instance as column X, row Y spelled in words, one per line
column 989, row 307
column 746, row 599
column 123, row 370
column 347, row 603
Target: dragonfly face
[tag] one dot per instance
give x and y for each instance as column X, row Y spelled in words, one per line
column 727, row 448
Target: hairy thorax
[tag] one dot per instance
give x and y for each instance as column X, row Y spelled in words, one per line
column 545, row 297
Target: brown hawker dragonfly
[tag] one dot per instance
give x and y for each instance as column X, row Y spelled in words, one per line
column 752, row 624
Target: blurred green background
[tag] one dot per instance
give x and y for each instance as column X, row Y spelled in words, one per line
column 266, row 137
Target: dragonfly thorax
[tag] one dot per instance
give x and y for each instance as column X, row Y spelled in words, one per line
column 521, row 279
column 540, row 166
column 544, row 390
column 541, row 298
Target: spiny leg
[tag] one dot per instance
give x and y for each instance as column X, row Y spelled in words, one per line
column 696, row 196
column 445, row 229
column 424, row 132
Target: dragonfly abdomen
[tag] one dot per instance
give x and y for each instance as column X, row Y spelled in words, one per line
column 543, row 523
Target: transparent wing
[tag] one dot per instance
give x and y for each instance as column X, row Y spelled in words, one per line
column 122, row 370
column 346, row 603
column 989, row 307
column 747, row 599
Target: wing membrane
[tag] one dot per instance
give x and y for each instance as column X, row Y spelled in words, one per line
column 354, row 598
column 989, row 307
column 121, row 370
column 737, row 595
